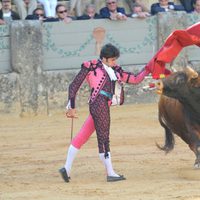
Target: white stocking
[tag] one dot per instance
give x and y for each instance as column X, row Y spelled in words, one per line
column 72, row 151
column 108, row 164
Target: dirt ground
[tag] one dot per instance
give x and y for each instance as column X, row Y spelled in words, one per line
column 34, row 148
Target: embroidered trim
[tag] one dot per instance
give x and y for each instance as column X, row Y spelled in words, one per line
column 128, row 77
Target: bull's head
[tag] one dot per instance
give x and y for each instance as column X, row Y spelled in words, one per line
column 185, row 87
column 180, row 84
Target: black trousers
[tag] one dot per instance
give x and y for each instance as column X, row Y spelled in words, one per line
column 100, row 111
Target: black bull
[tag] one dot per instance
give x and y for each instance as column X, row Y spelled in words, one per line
column 179, row 110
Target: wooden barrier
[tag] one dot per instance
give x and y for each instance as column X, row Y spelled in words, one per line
column 67, row 45
column 38, row 61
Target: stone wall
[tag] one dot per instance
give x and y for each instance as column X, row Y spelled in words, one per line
column 29, row 90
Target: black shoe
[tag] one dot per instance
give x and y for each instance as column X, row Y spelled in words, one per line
column 64, row 175
column 114, row 178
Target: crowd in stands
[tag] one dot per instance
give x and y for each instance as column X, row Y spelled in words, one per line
column 54, row 10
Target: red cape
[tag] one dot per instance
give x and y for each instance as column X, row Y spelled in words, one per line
column 171, row 48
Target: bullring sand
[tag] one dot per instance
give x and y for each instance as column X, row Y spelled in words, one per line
column 34, row 148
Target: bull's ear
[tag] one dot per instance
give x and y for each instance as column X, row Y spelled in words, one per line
column 192, row 74
column 195, row 82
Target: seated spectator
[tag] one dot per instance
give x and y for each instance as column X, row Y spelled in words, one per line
column 138, row 12
column 165, row 6
column 62, row 14
column 25, row 7
column 112, row 11
column 188, row 5
column 6, row 13
column 90, row 13
column 38, row 14
column 197, row 7
column 49, row 7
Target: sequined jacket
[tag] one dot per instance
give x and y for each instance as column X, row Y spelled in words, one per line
column 94, row 73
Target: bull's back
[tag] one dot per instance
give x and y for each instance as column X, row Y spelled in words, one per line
column 171, row 113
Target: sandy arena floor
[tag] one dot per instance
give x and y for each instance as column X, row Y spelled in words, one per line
column 34, row 148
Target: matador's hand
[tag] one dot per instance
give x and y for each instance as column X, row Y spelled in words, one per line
column 71, row 113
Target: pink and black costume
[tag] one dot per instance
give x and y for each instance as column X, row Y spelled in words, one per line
column 102, row 89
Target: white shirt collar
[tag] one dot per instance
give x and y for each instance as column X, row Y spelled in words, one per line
column 110, row 72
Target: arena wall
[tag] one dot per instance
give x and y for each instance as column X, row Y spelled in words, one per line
column 38, row 61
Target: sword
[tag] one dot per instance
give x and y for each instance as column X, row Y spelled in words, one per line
column 72, row 127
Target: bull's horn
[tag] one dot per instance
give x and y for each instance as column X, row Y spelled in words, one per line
column 191, row 73
column 159, row 86
column 173, row 69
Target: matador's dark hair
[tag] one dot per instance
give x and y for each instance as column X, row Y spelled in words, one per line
column 109, row 51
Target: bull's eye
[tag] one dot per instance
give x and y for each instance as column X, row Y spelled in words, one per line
column 180, row 80
column 195, row 83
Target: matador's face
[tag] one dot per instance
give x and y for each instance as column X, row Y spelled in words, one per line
column 110, row 62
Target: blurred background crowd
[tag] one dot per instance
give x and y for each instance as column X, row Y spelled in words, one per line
column 67, row 11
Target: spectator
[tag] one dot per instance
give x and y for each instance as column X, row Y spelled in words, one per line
column 138, row 12
column 188, row 5
column 140, row 2
column 197, row 7
column 38, row 14
column 90, row 13
column 112, row 11
column 165, row 6
column 6, row 13
column 62, row 14
column 25, row 7
column 49, row 7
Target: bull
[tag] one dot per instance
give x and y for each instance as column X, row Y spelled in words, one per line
column 179, row 110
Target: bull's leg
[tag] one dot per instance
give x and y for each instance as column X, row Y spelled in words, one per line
column 169, row 138
column 197, row 161
column 193, row 140
column 196, row 149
